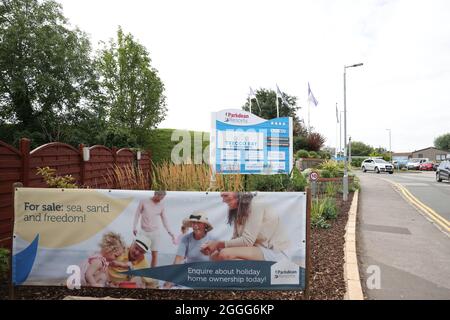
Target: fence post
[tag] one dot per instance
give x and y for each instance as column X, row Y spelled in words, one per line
column 308, row 244
column 13, row 221
column 82, row 164
column 114, row 166
column 24, row 147
column 150, row 168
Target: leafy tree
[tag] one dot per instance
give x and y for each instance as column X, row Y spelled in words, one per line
column 267, row 108
column 443, row 142
column 361, row 149
column 131, row 89
column 46, row 75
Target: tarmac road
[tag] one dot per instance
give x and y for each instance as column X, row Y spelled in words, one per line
column 403, row 241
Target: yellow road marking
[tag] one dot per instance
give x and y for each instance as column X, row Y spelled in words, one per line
column 424, row 208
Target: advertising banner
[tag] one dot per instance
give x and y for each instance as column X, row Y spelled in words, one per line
column 157, row 239
column 241, row 142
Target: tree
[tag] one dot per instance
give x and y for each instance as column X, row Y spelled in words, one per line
column 267, row 108
column 131, row 89
column 46, row 75
column 443, row 142
column 361, row 149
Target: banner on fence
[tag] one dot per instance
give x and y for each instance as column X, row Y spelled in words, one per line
column 241, row 142
column 147, row 239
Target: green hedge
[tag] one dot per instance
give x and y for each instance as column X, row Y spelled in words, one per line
column 161, row 146
column 277, row 182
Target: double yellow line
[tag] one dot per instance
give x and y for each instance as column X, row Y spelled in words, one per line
column 433, row 215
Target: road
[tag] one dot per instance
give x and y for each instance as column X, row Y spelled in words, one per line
column 402, row 236
column 424, row 187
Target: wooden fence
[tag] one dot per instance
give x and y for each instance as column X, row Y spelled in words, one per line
column 20, row 165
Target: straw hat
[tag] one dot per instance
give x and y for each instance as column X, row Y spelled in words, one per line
column 143, row 241
column 197, row 217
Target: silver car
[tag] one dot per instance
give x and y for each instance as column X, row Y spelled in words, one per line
column 377, row 165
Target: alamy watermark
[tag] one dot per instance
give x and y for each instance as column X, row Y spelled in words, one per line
column 74, row 279
column 374, row 279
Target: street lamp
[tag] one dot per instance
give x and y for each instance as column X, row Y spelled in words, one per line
column 340, row 133
column 345, row 193
column 390, row 145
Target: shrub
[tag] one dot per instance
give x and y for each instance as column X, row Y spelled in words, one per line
column 356, row 162
column 354, row 185
column 300, row 142
column 336, row 169
column 331, row 189
column 329, row 208
column 191, row 177
column 315, row 141
column 317, row 218
column 298, row 181
column 325, row 174
column 4, row 262
column 324, row 155
column 321, row 211
column 277, row 182
column 302, row 154
column 129, row 178
column 54, row 181
column 313, row 154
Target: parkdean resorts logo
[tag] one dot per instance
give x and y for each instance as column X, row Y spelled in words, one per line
column 284, row 272
column 236, row 117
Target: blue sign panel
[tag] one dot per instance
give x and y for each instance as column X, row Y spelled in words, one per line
column 244, row 143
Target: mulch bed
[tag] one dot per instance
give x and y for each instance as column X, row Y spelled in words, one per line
column 326, row 276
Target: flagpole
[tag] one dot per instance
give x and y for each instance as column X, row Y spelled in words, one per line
column 309, row 116
column 337, row 121
column 340, row 132
column 278, row 109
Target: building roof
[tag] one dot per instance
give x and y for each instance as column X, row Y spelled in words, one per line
column 399, row 154
column 429, row 149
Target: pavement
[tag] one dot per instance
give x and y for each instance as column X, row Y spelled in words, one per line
column 402, row 251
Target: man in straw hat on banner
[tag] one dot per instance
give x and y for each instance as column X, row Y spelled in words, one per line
column 135, row 256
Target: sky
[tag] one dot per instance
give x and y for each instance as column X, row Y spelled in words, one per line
column 208, row 53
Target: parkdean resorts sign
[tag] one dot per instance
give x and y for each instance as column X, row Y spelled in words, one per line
column 247, row 144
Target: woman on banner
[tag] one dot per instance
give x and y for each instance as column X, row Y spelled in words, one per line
column 257, row 231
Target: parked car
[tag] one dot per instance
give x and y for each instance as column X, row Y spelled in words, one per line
column 443, row 171
column 435, row 166
column 426, row 166
column 414, row 163
column 377, row 165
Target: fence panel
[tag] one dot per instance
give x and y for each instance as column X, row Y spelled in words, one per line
column 20, row 165
column 98, row 170
column 60, row 156
column 10, row 172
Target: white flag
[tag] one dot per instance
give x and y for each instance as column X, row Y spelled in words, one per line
column 280, row 95
column 311, row 97
column 252, row 95
column 337, row 114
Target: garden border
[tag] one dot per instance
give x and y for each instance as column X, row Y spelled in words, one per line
column 351, row 270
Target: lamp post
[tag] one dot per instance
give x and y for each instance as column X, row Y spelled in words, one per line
column 345, row 180
column 340, row 133
column 390, row 145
